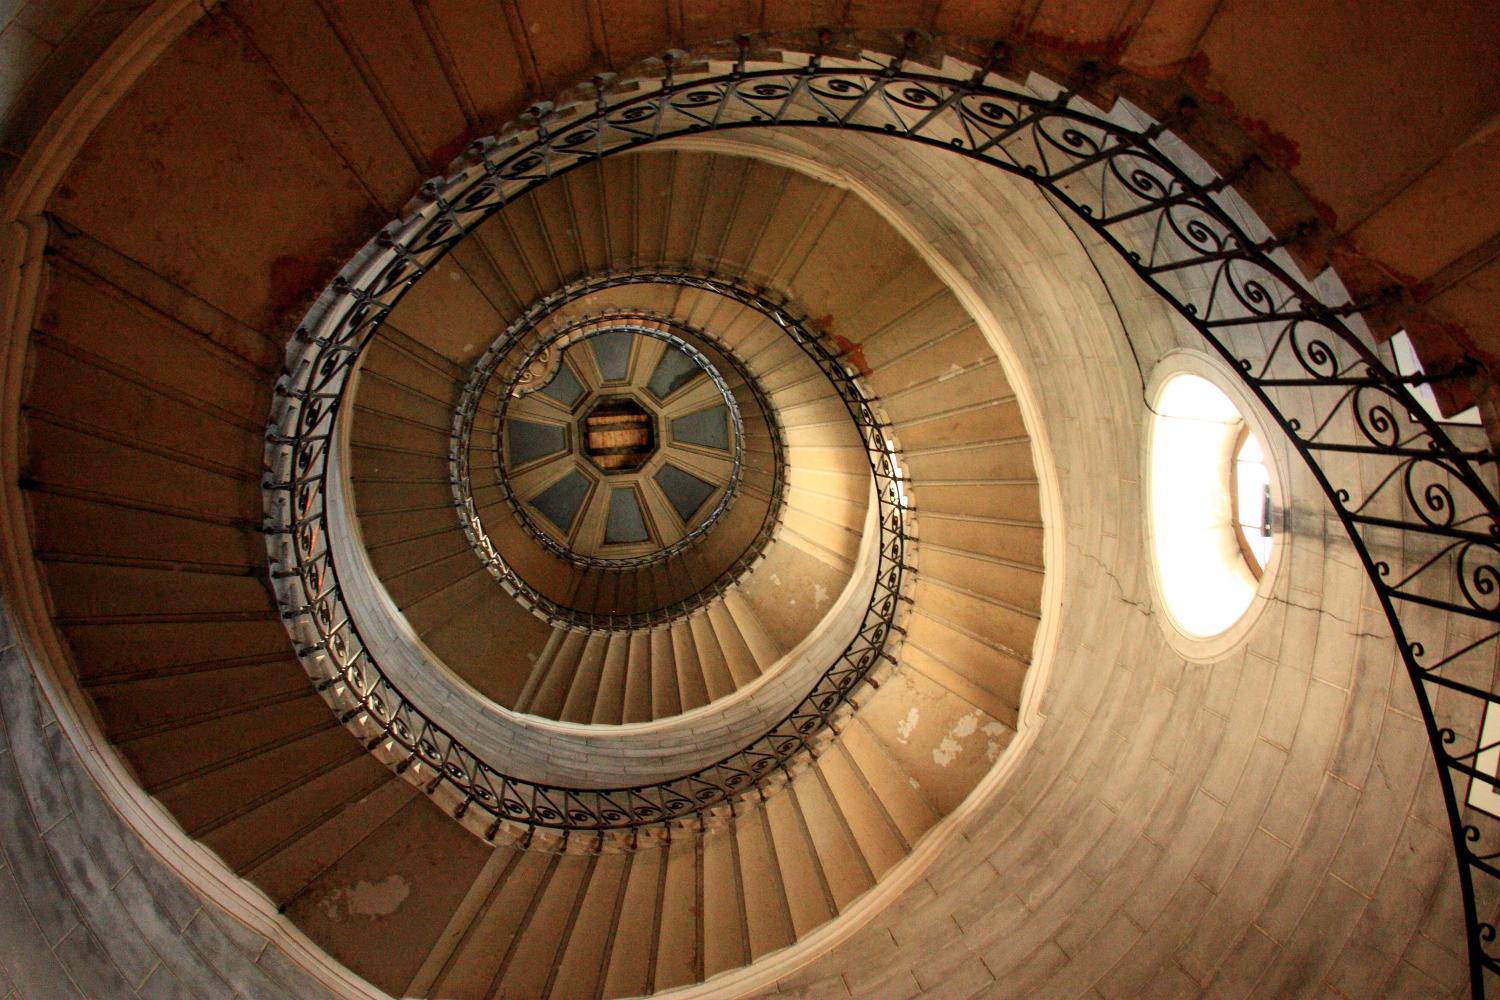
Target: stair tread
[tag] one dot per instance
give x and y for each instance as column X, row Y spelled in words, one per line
column 481, row 954
column 400, row 883
column 583, row 961
column 809, row 901
column 632, row 954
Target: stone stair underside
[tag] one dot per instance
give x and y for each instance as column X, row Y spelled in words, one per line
column 144, row 427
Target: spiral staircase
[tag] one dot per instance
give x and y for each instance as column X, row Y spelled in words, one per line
column 657, row 589
column 145, row 483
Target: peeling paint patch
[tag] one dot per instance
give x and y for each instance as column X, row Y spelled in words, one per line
column 820, row 595
column 953, row 372
column 366, row 899
column 853, row 353
column 294, row 280
column 994, row 730
column 444, row 154
column 906, row 726
column 945, row 752
column 951, row 746
column 776, row 579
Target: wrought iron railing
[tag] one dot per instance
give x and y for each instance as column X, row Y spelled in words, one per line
column 328, row 639
column 514, row 352
column 1419, row 509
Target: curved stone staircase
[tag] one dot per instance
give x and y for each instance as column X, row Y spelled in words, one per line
column 144, row 473
column 174, row 284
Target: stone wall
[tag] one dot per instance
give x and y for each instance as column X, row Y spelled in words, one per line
column 86, row 908
column 1267, row 823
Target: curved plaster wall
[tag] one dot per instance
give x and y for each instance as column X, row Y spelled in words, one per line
column 88, row 909
column 1267, row 818
column 1266, row 822
column 585, row 756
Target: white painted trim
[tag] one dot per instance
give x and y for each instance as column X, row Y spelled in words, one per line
column 1484, row 795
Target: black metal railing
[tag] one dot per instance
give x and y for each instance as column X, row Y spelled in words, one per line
column 1419, row 509
column 514, row 351
column 329, row 643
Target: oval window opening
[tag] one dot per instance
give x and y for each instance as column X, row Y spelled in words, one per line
column 1211, row 506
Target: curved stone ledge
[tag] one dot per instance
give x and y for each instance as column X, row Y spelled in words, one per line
column 569, row 755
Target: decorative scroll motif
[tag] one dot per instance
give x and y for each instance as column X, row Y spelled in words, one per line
column 1420, row 510
column 516, row 350
column 329, row 644
column 537, row 373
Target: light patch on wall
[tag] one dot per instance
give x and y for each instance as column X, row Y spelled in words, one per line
column 908, row 725
column 952, row 745
column 367, row 899
column 1482, row 794
column 945, row 752
column 820, row 595
column 994, row 730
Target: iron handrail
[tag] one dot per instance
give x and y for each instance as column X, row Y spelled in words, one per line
column 1410, row 496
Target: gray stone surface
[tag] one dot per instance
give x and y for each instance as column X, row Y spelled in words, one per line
column 86, row 909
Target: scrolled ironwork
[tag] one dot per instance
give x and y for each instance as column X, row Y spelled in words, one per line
column 1403, row 489
column 329, row 644
column 514, row 350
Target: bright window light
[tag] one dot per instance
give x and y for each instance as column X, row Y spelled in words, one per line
column 1407, row 363
column 1210, row 506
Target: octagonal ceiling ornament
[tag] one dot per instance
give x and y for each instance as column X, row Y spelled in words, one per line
column 630, row 447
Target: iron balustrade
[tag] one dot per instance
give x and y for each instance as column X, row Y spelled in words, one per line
column 329, row 643
column 1420, row 510
column 522, row 340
